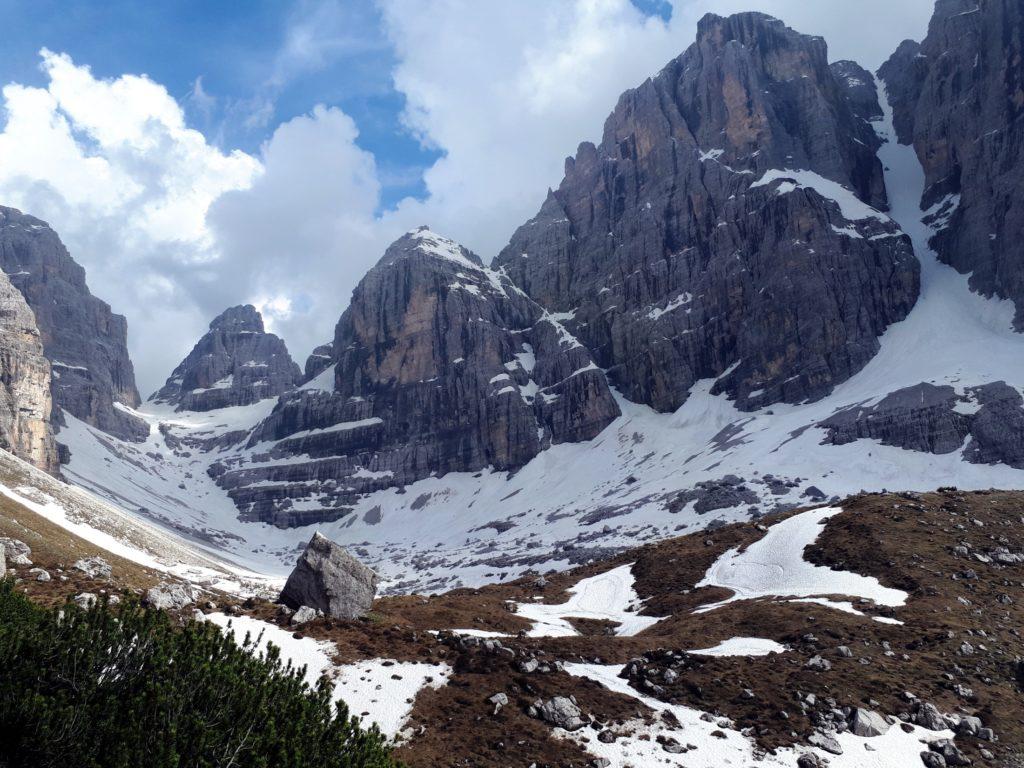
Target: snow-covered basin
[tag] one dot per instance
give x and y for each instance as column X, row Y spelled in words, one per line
column 379, row 691
column 774, row 566
column 743, row 646
column 894, row 749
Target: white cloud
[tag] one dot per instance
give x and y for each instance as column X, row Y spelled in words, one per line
column 305, row 233
column 112, row 165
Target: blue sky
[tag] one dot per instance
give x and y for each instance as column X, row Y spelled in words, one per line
column 274, row 148
column 234, row 51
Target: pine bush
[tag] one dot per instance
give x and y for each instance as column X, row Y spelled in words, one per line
column 126, row 688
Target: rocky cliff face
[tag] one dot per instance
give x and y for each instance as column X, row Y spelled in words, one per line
column 25, row 404
column 959, row 98
column 728, row 226
column 84, row 341
column 438, row 365
column 986, row 423
column 236, row 363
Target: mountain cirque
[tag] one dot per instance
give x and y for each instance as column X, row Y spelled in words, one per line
column 236, row 363
column 85, row 342
column 959, row 98
column 438, row 365
column 679, row 249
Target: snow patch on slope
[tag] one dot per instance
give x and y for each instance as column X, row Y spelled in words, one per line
column 609, row 596
column 774, row 566
column 895, row 749
column 379, row 691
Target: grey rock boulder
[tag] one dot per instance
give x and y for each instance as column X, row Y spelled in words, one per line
column 16, row 551
column 170, row 596
column 93, row 567
column 867, row 723
column 329, row 579
column 562, row 712
column 304, row 615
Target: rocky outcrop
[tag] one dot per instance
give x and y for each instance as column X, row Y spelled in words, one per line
column 328, row 579
column 318, row 361
column 859, row 88
column 236, row 363
column 959, row 98
column 439, row 365
column 25, row 404
column 728, row 226
column 986, row 422
column 84, row 341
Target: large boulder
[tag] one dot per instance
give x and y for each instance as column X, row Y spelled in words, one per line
column 329, row 579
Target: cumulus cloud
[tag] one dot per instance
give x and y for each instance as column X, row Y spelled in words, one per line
column 303, row 235
column 112, row 165
column 172, row 229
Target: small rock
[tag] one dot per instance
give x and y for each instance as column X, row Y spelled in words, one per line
column 562, row 713
column 826, row 742
column 93, row 567
column 85, row 600
column 168, row 596
column 305, row 614
column 866, row 723
column 17, row 552
column 818, row 663
column 41, row 574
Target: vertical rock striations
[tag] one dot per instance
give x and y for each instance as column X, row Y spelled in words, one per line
column 438, row 365
column 236, row 363
column 84, row 341
column 25, row 404
column 728, row 226
column 959, row 98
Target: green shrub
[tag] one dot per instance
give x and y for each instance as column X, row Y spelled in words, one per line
column 105, row 688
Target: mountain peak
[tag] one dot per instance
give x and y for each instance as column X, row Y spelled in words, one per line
column 244, row 317
column 236, row 362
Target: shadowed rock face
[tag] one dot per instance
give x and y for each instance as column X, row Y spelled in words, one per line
column 439, row 365
column 25, row 403
column 84, row 341
column 236, row 363
column 959, row 98
column 677, row 250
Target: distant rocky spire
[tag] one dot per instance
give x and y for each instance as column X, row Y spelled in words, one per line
column 235, row 363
